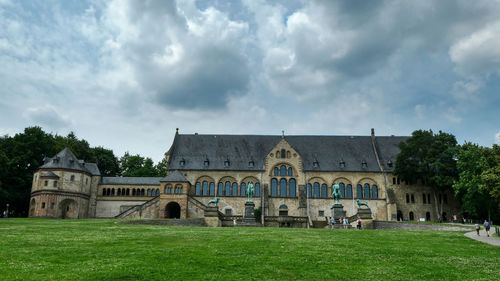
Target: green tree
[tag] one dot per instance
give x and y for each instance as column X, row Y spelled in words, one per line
column 491, row 179
column 137, row 166
column 431, row 158
column 80, row 148
column 471, row 163
column 106, row 161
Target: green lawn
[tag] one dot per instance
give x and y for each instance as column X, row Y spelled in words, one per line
column 46, row 249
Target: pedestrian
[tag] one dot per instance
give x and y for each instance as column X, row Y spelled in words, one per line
column 332, row 221
column 487, row 228
column 477, row 228
column 359, row 223
column 234, row 222
column 345, row 223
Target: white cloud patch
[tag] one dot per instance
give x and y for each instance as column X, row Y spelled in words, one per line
column 47, row 116
column 497, row 138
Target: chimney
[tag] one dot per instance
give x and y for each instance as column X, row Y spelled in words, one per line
column 373, row 132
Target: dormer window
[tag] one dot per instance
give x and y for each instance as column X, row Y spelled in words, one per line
column 71, row 161
column 315, row 164
column 364, row 165
column 342, row 164
column 206, row 163
column 182, row 162
column 389, row 164
column 227, row 163
column 251, row 164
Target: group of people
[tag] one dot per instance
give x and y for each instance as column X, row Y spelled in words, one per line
column 343, row 221
column 486, row 225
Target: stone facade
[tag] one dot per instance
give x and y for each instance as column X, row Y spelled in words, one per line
column 292, row 176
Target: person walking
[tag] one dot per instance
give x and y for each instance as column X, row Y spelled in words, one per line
column 487, row 228
column 477, row 228
column 359, row 223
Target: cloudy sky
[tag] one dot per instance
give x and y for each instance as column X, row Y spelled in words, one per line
column 125, row 74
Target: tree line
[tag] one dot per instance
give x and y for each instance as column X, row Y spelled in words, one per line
column 471, row 171
column 22, row 154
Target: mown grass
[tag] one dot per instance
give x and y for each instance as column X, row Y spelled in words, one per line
column 45, row 249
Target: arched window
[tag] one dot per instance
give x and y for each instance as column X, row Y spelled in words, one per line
column 243, row 189
column 412, row 198
column 424, row 198
column 133, row 191
column 182, row 190
column 212, row 189
column 277, row 154
column 342, row 190
column 407, row 198
column 128, row 191
column 283, row 188
column 282, row 170
column 204, row 188
column 274, row 187
column 257, row 189
column 283, row 210
column 292, row 187
column 309, row 190
column 316, row 190
column 197, row 189
column 119, row 192
column 142, row 192
column 374, row 192
column 276, row 171
column 412, row 216
column 104, row 192
column 220, row 189
column 283, row 153
column 290, row 171
column 157, row 192
column 359, row 191
column 72, row 178
column 235, row 189
column 367, row 191
column 324, row 191
column 228, row 188
column 349, row 191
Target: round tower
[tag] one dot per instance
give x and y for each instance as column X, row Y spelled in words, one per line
column 62, row 187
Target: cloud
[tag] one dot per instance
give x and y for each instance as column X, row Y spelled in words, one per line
column 497, row 138
column 180, row 56
column 48, row 116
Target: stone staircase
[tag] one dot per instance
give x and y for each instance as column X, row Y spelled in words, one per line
column 136, row 211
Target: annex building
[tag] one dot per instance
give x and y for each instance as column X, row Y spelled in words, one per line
column 292, row 176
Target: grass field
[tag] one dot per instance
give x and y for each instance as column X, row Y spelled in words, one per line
column 46, row 249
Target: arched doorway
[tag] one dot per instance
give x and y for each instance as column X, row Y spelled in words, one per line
column 400, row 215
column 32, row 207
column 428, row 216
column 173, row 210
column 412, row 217
column 68, row 209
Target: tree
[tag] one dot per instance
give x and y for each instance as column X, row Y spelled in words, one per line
column 106, row 161
column 80, row 148
column 471, row 163
column 137, row 166
column 491, row 179
column 431, row 158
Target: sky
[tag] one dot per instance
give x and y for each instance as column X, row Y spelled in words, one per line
column 125, row 74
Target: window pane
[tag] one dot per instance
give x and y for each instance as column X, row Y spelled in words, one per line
column 235, row 189
column 282, row 170
column 349, row 191
column 205, row 188
column 274, row 187
column 243, row 189
column 292, row 187
column 342, row 190
column 374, row 192
column 359, row 191
column 367, row 191
column 197, row 190
column 323, row 191
column 316, row 190
column 228, row 189
column 276, row 171
column 309, row 190
column 212, row 189
column 220, row 189
column 257, row 189
column 290, row 172
column 283, row 188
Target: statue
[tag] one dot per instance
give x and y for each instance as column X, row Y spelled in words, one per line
column 214, row 201
column 250, row 191
column 336, row 193
column 361, row 203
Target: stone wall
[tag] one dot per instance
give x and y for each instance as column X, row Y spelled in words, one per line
column 112, row 208
column 58, row 204
column 418, row 226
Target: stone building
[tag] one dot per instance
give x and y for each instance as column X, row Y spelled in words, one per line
column 292, row 175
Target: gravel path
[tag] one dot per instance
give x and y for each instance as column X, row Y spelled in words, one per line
column 495, row 241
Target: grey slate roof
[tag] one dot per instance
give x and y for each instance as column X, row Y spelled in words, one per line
column 328, row 151
column 388, row 148
column 65, row 159
column 175, row 176
column 48, row 174
column 131, row 180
